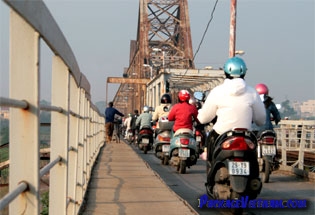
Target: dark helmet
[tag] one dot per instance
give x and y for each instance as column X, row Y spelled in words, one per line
column 198, row 105
column 166, row 99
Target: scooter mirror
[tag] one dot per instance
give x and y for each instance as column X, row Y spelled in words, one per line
column 166, row 109
column 199, row 95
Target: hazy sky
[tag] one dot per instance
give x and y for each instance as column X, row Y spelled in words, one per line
column 276, row 35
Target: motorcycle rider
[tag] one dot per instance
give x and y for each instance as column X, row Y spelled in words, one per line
column 133, row 123
column 127, row 124
column 183, row 113
column 144, row 119
column 271, row 109
column 234, row 103
column 162, row 109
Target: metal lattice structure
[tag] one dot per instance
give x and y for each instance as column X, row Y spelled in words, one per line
column 163, row 41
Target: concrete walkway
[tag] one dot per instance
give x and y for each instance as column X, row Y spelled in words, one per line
column 122, row 183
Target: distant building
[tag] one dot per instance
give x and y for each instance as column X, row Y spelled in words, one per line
column 308, row 108
column 4, row 112
column 297, row 107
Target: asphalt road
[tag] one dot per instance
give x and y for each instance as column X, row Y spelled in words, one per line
column 190, row 187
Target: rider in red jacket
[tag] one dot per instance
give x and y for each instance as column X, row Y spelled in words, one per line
column 183, row 113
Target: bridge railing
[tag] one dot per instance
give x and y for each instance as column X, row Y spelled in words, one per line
column 77, row 127
column 296, row 136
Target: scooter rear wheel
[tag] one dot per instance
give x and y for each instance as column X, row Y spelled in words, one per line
column 165, row 160
column 265, row 171
column 145, row 149
column 236, row 211
column 182, row 167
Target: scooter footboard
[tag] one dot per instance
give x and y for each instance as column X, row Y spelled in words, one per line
column 238, row 183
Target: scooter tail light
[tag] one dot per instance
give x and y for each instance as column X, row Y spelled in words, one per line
column 268, row 140
column 250, row 144
column 184, row 141
column 198, row 133
column 164, row 139
column 145, row 131
column 238, row 159
column 235, row 143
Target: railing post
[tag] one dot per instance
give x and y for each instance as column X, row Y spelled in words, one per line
column 284, row 142
column 73, row 145
column 85, row 143
column 81, row 134
column 24, row 124
column 302, row 147
column 59, row 137
column 88, row 142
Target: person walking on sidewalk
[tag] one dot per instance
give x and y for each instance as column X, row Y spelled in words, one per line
column 110, row 113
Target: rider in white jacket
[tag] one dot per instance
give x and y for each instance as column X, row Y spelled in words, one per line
column 234, row 103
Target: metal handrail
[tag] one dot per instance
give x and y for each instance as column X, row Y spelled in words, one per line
column 7, row 102
column 51, row 164
column 23, row 186
column 31, row 23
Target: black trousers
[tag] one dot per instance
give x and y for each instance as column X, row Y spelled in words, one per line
column 213, row 135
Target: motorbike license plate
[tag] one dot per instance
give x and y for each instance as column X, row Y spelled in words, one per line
column 198, row 139
column 238, row 168
column 184, row 153
column 165, row 148
column 145, row 141
column 268, row 150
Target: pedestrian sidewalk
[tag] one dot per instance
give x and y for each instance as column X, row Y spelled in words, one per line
column 122, row 183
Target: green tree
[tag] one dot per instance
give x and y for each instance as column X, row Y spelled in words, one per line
column 288, row 111
column 4, row 131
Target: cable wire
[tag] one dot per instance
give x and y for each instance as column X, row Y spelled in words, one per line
column 204, row 33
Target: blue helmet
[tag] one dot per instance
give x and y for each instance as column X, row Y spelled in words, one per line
column 235, row 67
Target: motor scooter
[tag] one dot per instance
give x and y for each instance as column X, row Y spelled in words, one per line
column 199, row 135
column 145, row 139
column 266, row 152
column 183, row 150
column 163, row 138
column 129, row 136
column 233, row 172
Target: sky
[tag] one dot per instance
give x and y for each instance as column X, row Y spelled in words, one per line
column 276, row 35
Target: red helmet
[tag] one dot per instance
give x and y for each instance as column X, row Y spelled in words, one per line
column 183, row 96
column 262, row 89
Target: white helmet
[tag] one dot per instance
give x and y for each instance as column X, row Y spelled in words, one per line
column 146, row 109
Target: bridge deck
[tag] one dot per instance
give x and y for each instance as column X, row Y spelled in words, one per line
column 122, row 183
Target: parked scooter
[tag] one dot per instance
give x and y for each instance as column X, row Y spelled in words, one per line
column 145, row 139
column 266, row 152
column 163, row 138
column 234, row 171
column 183, row 151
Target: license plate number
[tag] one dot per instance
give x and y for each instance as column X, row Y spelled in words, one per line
column 268, row 150
column 184, row 153
column 238, row 168
column 198, row 139
column 145, row 141
column 165, row 148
